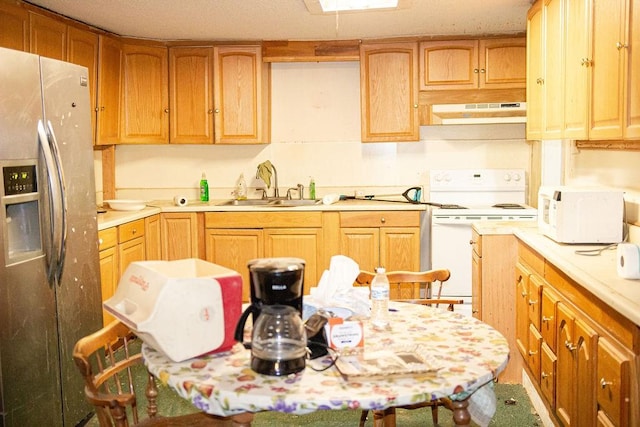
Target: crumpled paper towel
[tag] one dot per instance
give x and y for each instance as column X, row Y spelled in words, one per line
column 335, row 288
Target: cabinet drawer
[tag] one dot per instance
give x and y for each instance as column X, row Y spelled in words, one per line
column 380, row 219
column 533, row 259
column 107, row 238
column 613, row 377
column 263, row 219
column 131, row 230
column 548, row 374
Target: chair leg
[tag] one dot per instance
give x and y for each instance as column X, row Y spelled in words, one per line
column 434, row 414
column 363, row 417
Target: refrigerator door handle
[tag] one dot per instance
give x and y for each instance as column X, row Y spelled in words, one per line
column 56, row 207
column 62, row 230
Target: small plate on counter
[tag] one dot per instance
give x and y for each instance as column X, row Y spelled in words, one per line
column 126, row 204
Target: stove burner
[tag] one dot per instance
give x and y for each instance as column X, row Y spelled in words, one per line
column 452, row 207
column 508, row 206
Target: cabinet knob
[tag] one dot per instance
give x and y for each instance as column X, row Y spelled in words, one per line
column 471, row 242
column 540, row 81
column 209, row 111
column 585, row 62
column 476, row 71
column 134, row 231
column 415, row 105
column 383, row 220
column 102, row 108
column 166, row 110
column 532, row 353
column 533, row 302
column 482, row 70
column 569, row 345
column 621, row 45
column 546, row 319
column 523, row 294
column 544, row 375
column 217, row 110
column 604, row 383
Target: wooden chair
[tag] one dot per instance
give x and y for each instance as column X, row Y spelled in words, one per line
column 108, row 360
column 416, row 288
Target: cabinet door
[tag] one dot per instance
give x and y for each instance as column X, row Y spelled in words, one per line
column 82, row 49
column 304, row 243
column 449, row 65
column 613, row 375
column 536, row 284
column 585, row 380
column 548, row 317
column 240, row 95
column 145, row 94
column 502, row 63
column 191, row 95
column 577, row 71
column 233, row 248
column 553, row 92
column 565, row 379
column 361, row 245
column 179, row 235
column 130, row 251
column 608, row 25
column 109, row 89
column 533, row 353
column 400, row 248
column 152, row 237
column 48, row 37
column 522, row 308
column 632, row 114
column 109, row 277
column 548, row 374
column 535, row 69
column 476, row 282
column 389, row 92
column 14, row 31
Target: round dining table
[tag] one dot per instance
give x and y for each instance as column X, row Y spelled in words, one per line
column 466, row 356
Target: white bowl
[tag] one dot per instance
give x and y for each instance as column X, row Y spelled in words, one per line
column 126, row 205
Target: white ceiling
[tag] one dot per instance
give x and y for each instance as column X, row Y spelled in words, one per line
column 289, row 19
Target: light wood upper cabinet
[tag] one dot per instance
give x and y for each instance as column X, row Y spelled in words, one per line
column 632, row 91
column 241, row 95
column 82, row 49
column 553, row 87
column 48, row 37
column 577, row 68
column 145, row 94
column 14, row 31
column 535, row 71
column 473, row 64
column 609, row 54
column 191, row 95
column 389, row 92
column 109, row 89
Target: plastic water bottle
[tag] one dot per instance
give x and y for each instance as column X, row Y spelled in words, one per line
column 380, row 299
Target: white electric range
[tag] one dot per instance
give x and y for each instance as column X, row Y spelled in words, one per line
column 466, row 196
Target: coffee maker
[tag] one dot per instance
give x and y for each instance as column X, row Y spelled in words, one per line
column 279, row 340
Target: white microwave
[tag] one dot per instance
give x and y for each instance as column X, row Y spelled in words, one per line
column 581, row 214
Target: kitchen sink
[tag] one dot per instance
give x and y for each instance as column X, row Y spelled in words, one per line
column 283, row 203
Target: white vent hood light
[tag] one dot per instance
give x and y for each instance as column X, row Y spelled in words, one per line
column 482, row 113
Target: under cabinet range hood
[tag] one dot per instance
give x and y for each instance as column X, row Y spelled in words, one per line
column 481, row 113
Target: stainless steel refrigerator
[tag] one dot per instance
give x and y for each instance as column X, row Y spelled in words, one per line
column 49, row 270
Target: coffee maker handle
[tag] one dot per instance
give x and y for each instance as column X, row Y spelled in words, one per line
column 239, row 333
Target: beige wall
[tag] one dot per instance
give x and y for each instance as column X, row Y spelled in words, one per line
column 316, row 132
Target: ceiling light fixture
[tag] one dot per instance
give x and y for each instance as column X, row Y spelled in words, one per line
column 333, row 6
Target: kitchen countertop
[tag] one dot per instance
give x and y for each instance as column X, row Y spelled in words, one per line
column 597, row 274
column 500, row 227
column 113, row 218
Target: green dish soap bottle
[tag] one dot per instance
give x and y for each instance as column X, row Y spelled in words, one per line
column 312, row 189
column 204, row 188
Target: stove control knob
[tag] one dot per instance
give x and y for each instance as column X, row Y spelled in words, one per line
column 516, row 177
column 507, row 177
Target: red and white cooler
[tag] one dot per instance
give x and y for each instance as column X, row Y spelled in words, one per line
column 182, row 308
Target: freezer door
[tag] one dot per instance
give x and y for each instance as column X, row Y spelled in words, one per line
column 29, row 362
column 67, row 113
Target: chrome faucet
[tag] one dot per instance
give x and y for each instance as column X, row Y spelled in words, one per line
column 299, row 188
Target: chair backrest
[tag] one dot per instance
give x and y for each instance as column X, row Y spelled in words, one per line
column 107, row 359
column 414, row 286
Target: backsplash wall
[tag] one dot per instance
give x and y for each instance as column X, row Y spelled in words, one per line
column 316, row 133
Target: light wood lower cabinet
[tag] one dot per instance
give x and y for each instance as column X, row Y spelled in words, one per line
column 234, row 238
column 179, row 235
column 109, row 269
column 494, row 296
column 390, row 239
column 581, row 354
column 152, row 237
column 131, row 244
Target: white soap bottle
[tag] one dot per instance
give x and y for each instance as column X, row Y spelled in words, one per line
column 241, row 188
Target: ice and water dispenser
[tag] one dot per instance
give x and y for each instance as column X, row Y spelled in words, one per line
column 20, row 207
